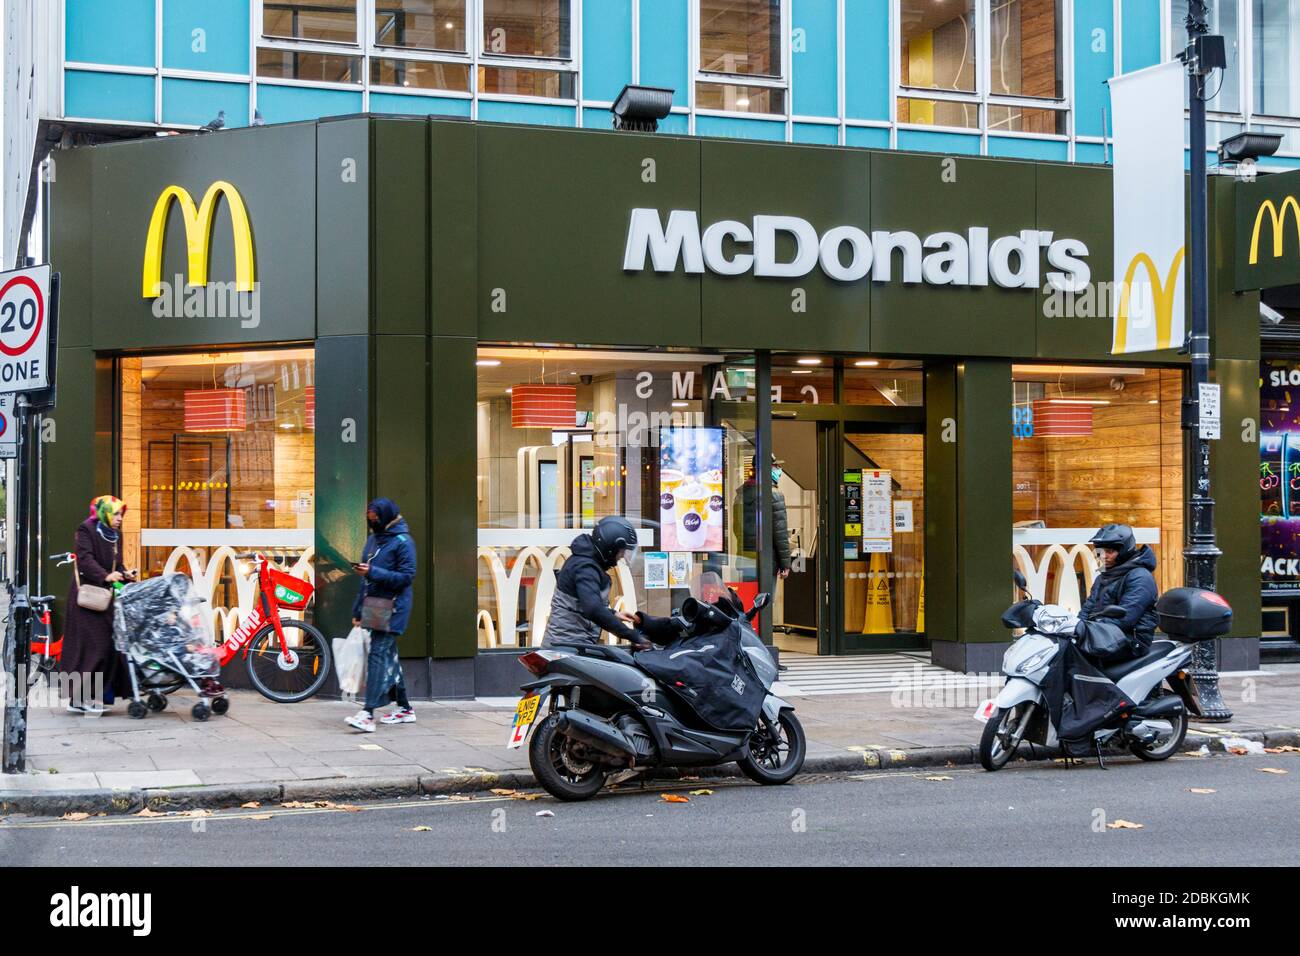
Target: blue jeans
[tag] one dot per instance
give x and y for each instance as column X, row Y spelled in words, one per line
column 384, row 673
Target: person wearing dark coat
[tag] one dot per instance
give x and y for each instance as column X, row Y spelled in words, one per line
column 88, row 650
column 747, row 509
column 1125, row 580
column 387, row 570
column 580, row 606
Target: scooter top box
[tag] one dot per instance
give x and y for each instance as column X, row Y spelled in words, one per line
column 1194, row 613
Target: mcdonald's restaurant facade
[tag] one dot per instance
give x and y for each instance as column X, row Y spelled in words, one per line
column 843, row 375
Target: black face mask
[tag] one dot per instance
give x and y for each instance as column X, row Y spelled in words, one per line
column 375, row 525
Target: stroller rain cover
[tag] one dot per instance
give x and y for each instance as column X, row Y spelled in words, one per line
column 713, row 674
column 163, row 616
column 1080, row 699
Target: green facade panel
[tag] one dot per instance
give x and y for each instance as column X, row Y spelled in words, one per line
column 343, row 181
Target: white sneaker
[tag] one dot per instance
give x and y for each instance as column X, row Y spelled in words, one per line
column 400, row 716
column 92, row 709
column 362, row 721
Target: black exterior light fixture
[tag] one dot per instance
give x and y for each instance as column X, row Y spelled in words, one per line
column 638, row 109
column 1243, row 149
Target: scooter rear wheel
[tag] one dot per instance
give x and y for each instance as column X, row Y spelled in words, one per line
column 559, row 766
column 1166, row 746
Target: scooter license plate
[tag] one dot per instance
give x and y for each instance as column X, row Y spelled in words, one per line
column 985, row 710
column 525, row 714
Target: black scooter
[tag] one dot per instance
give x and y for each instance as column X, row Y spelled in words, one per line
column 609, row 719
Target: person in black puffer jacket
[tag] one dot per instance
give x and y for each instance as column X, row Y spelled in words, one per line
column 1125, row 580
column 580, row 608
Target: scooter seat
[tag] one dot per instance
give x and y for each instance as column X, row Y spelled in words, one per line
column 1157, row 650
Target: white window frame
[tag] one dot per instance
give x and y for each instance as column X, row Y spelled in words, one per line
column 572, row 64
column 782, row 82
column 981, row 98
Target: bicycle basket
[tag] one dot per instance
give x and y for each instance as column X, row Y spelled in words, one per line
column 290, row 591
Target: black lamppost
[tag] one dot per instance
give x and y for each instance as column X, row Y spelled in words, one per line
column 1204, row 54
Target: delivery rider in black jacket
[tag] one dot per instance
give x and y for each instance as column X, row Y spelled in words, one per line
column 1125, row 579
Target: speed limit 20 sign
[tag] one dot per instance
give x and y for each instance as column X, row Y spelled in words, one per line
column 25, row 330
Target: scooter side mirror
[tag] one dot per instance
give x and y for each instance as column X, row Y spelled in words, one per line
column 1019, row 579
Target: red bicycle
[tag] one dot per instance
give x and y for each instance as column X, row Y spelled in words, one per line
column 288, row 660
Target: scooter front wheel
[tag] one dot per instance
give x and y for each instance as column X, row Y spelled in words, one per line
column 776, row 760
column 996, row 748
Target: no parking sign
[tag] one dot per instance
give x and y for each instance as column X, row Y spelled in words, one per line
column 25, row 330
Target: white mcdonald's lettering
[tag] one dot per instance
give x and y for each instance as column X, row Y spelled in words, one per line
column 850, row 254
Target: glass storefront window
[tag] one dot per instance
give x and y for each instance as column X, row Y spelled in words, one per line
column 1025, row 48
column 333, row 21
column 1222, row 19
column 883, row 383
column 214, row 442
column 937, row 46
column 802, row 381
column 1276, row 58
column 740, row 37
column 419, row 74
column 421, row 24
column 1092, row 446
column 527, row 28
column 568, row 436
column 279, row 64
column 938, row 113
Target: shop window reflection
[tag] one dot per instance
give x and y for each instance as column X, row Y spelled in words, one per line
column 1092, row 446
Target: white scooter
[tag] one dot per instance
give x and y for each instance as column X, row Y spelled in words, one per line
column 1154, row 730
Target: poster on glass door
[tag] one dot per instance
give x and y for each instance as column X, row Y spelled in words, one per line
column 877, row 512
column 691, row 502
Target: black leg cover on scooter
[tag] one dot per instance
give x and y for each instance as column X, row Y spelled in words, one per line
column 713, row 675
column 1080, row 699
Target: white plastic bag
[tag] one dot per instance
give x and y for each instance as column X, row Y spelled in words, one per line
column 350, row 658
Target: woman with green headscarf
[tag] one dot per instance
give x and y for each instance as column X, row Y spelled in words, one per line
column 90, row 661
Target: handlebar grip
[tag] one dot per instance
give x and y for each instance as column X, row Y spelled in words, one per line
column 43, row 599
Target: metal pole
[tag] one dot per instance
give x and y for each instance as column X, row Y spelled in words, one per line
column 18, row 633
column 1200, row 553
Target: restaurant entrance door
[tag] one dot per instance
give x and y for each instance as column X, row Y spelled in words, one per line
column 852, row 481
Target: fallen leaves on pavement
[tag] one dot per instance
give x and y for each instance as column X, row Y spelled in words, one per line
column 701, row 793
column 146, row 812
column 251, row 805
column 1270, row 770
column 502, row 791
column 1200, row 790
column 674, row 798
column 259, row 816
column 75, row 817
column 1285, row 749
column 421, row 829
column 938, row 777
column 1123, row 825
column 525, row 796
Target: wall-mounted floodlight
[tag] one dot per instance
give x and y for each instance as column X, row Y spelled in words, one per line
column 1243, row 149
column 640, row 108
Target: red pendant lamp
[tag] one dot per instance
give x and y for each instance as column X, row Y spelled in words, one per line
column 543, row 406
column 216, row 410
column 1061, row 418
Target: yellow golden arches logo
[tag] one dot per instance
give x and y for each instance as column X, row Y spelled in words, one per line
column 198, row 236
column 1279, row 221
column 1162, row 295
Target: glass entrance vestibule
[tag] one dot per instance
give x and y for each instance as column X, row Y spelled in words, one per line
column 832, row 525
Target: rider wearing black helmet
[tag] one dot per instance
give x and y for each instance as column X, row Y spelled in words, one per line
column 1125, row 579
column 580, row 609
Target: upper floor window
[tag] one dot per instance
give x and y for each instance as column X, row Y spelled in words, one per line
column 941, row 51
column 1224, row 90
column 330, row 21
column 1276, row 55
column 535, row 28
column 741, row 66
column 421, row 24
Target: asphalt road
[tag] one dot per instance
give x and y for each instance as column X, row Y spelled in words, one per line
column 1028, row 814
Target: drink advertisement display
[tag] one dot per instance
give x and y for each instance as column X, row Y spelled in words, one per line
column 691, row 500
column 1279, row 476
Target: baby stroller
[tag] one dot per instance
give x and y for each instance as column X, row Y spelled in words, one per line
column 160, row 628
